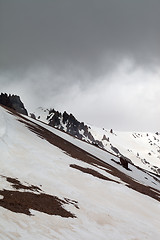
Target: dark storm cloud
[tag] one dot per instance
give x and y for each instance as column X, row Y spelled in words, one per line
column 93, row 35
column 95, row 58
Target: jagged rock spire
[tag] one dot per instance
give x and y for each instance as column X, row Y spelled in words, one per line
column 14, row 102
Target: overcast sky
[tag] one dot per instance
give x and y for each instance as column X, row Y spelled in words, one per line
column 98, row 59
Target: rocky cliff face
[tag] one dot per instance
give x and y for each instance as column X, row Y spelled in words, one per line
column 68, row 123
column 142, row 149
column 14, row 102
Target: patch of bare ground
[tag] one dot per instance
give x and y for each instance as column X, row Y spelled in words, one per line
column 18, row 185
column 80, row 154
column 92, row 172
column 22, row 202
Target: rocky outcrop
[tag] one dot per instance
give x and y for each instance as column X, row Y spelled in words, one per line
column 115, row 149
column 68, row 123
column 124, row 162
column 14, row 102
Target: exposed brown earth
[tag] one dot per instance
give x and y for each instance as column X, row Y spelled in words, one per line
column 80, row 154
column 18, row 185
column 92, row 172
column 23, row 201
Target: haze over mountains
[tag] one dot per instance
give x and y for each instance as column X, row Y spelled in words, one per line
column 56, row 185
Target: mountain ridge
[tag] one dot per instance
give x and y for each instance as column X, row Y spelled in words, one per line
column 142, row 149
column 56, row 186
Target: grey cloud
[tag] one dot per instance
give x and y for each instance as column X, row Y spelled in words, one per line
column 54, row 51
column 91, row 34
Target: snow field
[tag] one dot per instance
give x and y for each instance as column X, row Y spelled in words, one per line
column 107, row 210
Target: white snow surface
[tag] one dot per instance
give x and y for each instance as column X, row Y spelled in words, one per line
column 107, row 210
column 41, row 114
column 142, row 148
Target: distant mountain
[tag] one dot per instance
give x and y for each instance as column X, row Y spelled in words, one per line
column 142, row 149
column 14, row 102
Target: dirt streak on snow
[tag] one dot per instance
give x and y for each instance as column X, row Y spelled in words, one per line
column 106, row 209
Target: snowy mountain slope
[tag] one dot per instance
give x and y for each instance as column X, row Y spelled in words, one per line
column 54, row 186
column 143, row 149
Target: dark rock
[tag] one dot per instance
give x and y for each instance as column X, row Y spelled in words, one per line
column 124, row 162
column 13, row 102
column 55, row 120
column 158, row 171
column 72, row 126
column 51, row 111
column 33, row 115
column 114, row 149
column 98, row 143
column 105, row 138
